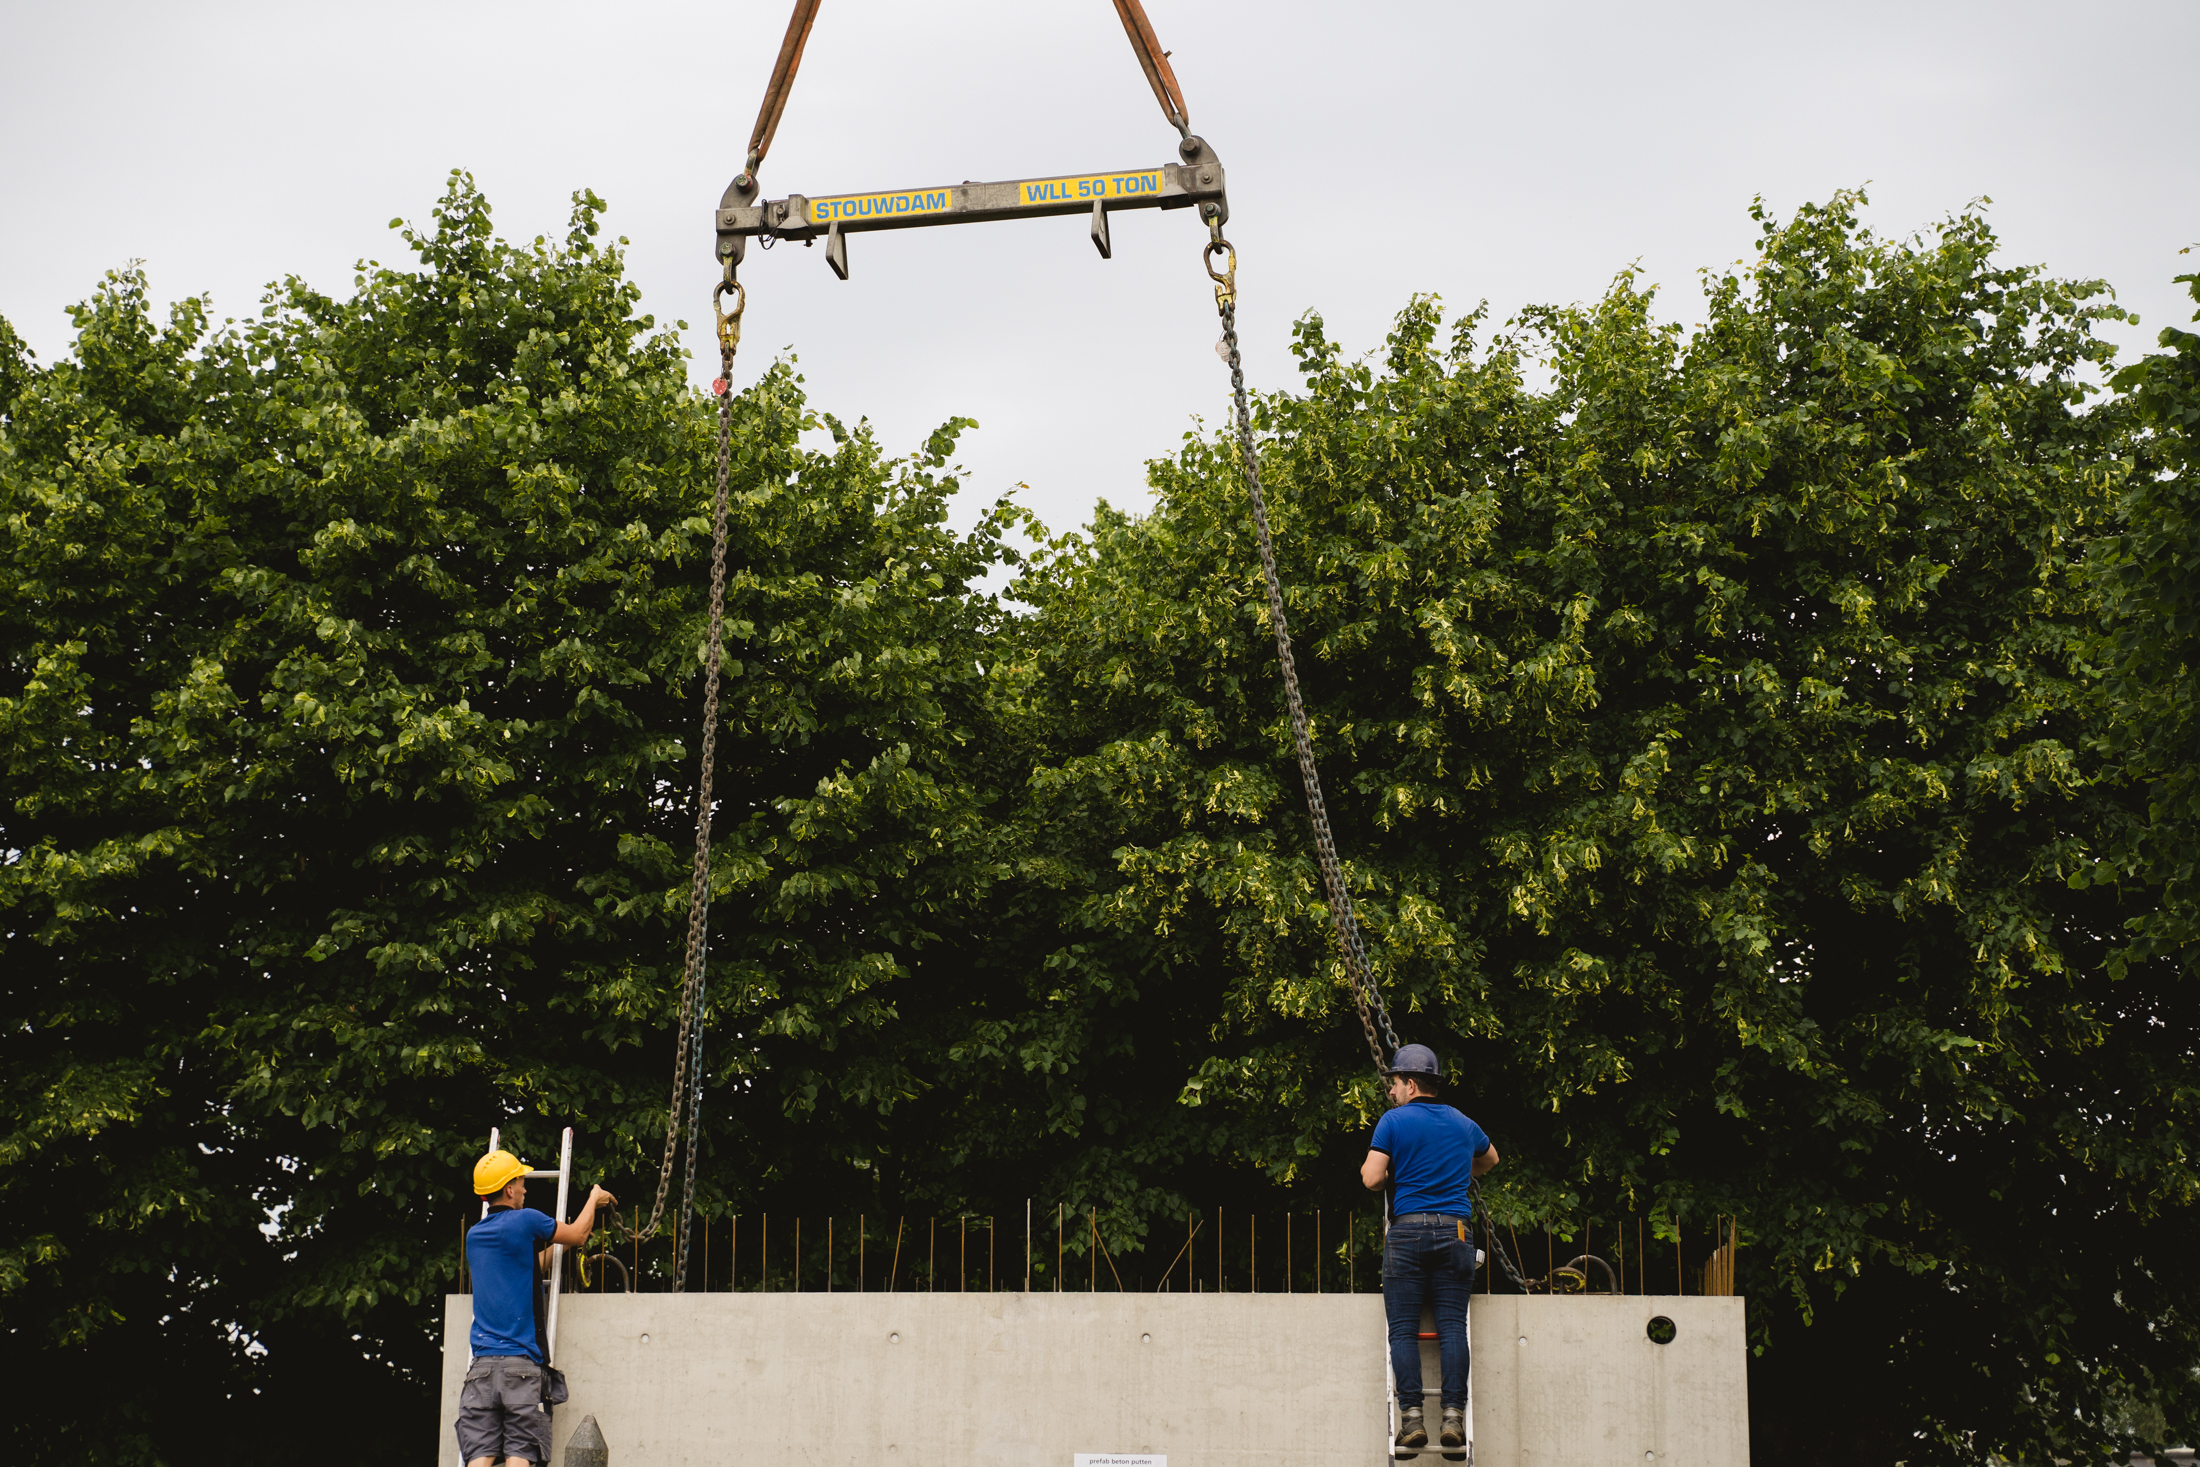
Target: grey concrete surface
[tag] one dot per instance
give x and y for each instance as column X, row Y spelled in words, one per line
column 1579, row 1381
column 1207, row 1380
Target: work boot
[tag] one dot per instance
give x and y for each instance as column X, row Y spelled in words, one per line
column 1455, row 1426
column 1411, row 1433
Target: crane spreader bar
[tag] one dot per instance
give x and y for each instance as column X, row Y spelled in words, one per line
column 1197, row 180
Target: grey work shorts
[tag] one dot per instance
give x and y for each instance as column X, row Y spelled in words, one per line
column 500, row 1410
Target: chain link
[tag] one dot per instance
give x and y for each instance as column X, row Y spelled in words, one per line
column 1367, row 996
column 687, row 1060
column 1489, row 1231
column 686, row 1229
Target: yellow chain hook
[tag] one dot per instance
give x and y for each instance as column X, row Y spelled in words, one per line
column 729, row 327
column 1226, row 280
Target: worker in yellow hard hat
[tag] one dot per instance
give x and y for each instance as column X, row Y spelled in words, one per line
column 501, row 1411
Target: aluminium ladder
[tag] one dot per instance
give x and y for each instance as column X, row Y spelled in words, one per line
column 564, row 1174
column 1391, row 1449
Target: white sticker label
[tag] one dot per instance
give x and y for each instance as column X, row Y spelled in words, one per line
column 1117, row 1459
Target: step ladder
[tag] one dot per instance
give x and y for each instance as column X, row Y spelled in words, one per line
column 564, row 1174
column 1432, row 1402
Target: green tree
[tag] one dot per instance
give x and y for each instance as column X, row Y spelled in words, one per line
column 1710, row 738
column 2151, row 581
column 348, row 663
column 1715, row 736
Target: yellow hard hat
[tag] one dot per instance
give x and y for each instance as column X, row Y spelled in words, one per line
column 494, row 1172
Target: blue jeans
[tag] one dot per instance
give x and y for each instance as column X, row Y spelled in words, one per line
column 1427, row 1261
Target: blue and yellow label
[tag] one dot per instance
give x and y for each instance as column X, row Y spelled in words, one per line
column 1089, row 186
column 1077, row 189
column 850, row 207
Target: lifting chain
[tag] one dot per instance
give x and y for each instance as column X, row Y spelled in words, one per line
column 1496, row 1247
column 687, row 1064
column 1367, row 997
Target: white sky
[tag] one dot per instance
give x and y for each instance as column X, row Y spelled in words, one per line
column 1517, row 153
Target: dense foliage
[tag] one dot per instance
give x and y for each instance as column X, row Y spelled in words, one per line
column 1761, row 754
column 2151, row 575
column 351, row 656
column 1713, row 740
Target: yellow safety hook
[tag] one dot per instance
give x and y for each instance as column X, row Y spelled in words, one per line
column 1226, row 279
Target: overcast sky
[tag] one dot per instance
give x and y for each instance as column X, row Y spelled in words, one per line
column 1516, row 153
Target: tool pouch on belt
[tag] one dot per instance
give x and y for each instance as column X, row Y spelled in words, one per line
column 554, row 1392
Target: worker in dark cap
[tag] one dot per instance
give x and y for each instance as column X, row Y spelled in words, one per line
column 1429, row 1153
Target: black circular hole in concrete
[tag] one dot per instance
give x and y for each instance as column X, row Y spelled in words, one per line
column 1662, row 1330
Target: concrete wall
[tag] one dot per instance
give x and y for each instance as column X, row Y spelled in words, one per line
column 1207, row 1380
column 1580, row 1381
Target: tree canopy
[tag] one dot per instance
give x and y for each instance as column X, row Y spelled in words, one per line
column 1760, row 751
column 352, row 657
column 2150, row 569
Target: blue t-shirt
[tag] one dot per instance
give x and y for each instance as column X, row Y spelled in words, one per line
column 1432, row 1150
column 500, row 1249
